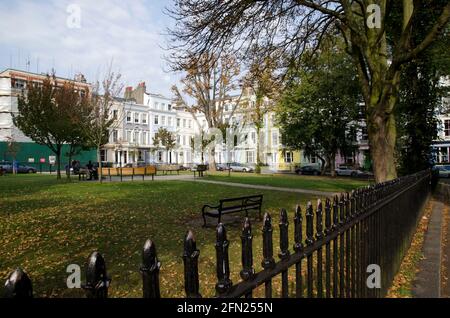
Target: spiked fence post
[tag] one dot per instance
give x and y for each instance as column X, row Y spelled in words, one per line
column 309, row 242
column 328, row 230
column 268, row 261
column 284, row 251
column 298, row 248
column 190, row 258
column 247, row 271
column 341, row 248
column 223, row 264
column 335, row 227
column 97, row 280
column 319, row 236
column 18, row 285
column 150, row 271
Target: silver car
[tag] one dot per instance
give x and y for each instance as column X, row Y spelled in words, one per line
column 239, row 167
column 348, row 171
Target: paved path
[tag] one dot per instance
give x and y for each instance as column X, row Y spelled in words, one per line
column 190, row 178
column 428, row 280
column 262, row 187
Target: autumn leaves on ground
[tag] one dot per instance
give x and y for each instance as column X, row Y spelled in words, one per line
column 47, row 225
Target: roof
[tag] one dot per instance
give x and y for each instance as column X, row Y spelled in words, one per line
column 25, row 73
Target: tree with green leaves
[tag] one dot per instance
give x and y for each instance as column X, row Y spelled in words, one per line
column 283, row 30
column 166, row 139
column 319, row 110
column 45, row 114
column 421, row 94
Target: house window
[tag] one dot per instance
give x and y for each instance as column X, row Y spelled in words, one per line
column 20, row 84
column 128, row 117
column 136, row 118
column 250, row 156
column 156, row 120
column 275, row 139
column 190, row 123
column 103, row 155
column 178, row 139
column 144, row 138
column 364, row 134
column 288, row 157
column 169, row 107
column 178, row 122
column 163, row 120
column 169, row 121
column 184, row 140
column 115, row 114
column 184, row 123
column 156, row 105
column 160, row 156
column 115, row 136
column 163, row 106
column 312, row 159
column 128, row 136
column 136, row 137
column 447, row 128
column 144, row 118
column 253, row 137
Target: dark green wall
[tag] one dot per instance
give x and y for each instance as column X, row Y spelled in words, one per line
column 33, row 150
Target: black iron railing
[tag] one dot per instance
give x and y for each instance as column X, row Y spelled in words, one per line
column 352, row 248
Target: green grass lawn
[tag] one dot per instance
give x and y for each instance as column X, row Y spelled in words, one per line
column 291, row 181
column 46, row 225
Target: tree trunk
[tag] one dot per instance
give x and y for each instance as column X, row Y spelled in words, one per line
column 69, row 164
column 212, row 159
column 58, row 162
column 333, row 165
column 258, row 157
column 99, row 159
column 382, row 137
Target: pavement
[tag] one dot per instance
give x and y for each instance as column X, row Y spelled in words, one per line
column 190, row 178
column 428, row 280
column 269, row 188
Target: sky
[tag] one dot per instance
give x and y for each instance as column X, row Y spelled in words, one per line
column 85, row 36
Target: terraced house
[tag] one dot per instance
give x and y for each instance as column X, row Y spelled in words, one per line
column 139, row 115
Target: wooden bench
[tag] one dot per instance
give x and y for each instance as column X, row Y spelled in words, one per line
column 169, row 168
column 200, row 169
column 130, row 172
column 234, row 205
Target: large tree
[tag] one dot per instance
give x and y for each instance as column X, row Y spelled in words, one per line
column 290, row 26
column 105, row 114
column 45, row 114
column 319, row 112
column 210, row 81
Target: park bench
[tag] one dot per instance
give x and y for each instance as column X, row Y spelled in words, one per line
column 130, row 172
column 234, row 205
column 200, row 169
column 169, row 168
column 82, row 173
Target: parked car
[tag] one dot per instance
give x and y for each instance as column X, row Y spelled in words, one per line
column 8, row 168
column 444, row 171
column 308, row 170
column 221, row 167
column 348, row 171
column 239, row 167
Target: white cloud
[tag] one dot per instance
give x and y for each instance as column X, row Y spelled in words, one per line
column 127, row 32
